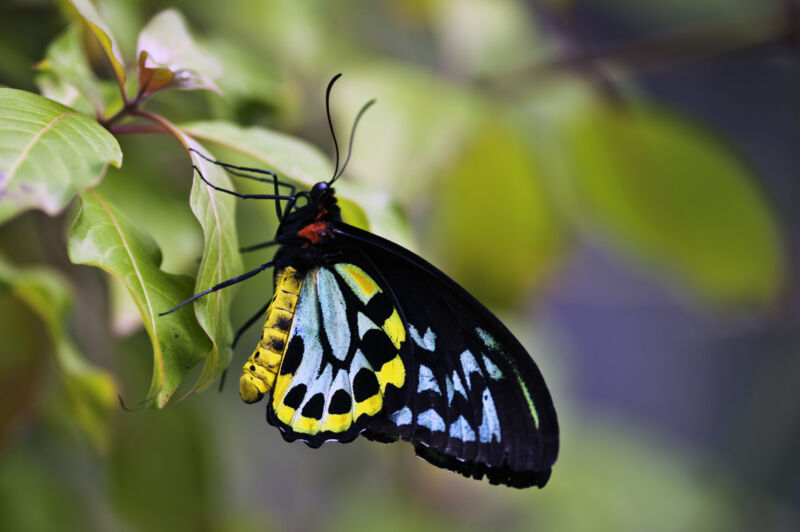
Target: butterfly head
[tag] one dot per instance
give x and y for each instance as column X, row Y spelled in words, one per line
column 319, row 190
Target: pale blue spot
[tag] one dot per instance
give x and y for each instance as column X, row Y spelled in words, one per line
column 334, row 313
column 487, row 338
column 469, row 365
column 402, row 417
column 494, row 371
column 490, row 426
column 448, row 384
column 306, row 322
column 427, row 342
column 364, row 324
column 306, row 325
column 322, row 385
column 457, row 386
column 461, row 430
column 431, row 420
column 340, row 382
column 359, row 361
column 427, row 380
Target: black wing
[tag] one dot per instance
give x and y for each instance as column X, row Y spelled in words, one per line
column 480, row 405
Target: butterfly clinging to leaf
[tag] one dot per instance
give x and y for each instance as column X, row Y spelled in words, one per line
column 363, row 337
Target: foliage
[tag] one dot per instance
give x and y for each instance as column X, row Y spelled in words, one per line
column 507, row 162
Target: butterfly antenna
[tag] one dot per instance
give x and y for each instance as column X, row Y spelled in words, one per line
column 330, row 122
column 352, row 136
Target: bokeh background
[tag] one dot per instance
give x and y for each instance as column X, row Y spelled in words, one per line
column 617, row 179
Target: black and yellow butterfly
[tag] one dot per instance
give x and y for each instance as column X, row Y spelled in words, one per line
column 363, row 337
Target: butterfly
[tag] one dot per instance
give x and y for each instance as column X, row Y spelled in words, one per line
column 364, row 337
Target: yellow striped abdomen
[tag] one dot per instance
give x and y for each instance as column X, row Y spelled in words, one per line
column 258, row 374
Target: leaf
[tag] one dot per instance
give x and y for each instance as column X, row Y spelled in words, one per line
column 216, row 212
column 301, row 162
column 48, row 152
column 101, row 237
column 290, row 157
column 169, row 57
column 487, row 38
column 514, row 238
column 91, row 393
column 679, row 199
column 100, row 30
column 416, row 129
column 65, row 66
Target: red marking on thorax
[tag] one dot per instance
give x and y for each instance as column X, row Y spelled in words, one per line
column 313, row 232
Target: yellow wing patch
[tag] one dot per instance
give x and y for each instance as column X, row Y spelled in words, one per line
column 315, row 397
column 366, row 287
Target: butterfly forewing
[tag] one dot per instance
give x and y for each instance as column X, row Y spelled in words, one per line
column 344, row 359
column 477, row 404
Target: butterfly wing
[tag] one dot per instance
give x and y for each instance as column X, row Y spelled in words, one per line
column 342, row 363
column 477, row 404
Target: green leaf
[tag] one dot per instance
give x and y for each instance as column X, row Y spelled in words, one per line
column 100, row 30
column 170, row 58
column 159, row 206
column 65, row 74
column 48, row 152
column 301, row 162
column 290, row 157
column 102, row 238
column 487, row 37
column 90, row 393
column 679, row 199
column 216, row 212
column 416, row 129
column 494, row 226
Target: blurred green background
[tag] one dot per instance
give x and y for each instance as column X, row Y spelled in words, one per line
column 617, row 179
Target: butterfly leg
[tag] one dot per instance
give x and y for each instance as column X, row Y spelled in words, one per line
column 239, row 171
column 237, row 194
column 222, row 285
column 255, row 247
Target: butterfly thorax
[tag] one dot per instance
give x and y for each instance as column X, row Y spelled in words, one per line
column 306, row 234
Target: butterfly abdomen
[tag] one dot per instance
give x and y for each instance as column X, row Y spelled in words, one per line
column 258, row 374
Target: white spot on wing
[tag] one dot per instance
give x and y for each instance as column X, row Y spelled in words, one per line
column 334, row 314
column 469, row 365
column 359, row 361
column 490, row 426
column 402, row 416
column 494, row 371
column 431, row 420
column 487, row 338
column 448, row 384
column 457, row 386
column 460, row 429
column 364, row 324
column 321, row 385
column 427, row 380
column 427, row 342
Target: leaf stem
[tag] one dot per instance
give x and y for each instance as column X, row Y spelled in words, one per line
column 132, row 129
column 165, row 124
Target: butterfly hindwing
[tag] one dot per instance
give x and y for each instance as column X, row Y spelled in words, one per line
column 343, row 362
column 477, row 403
